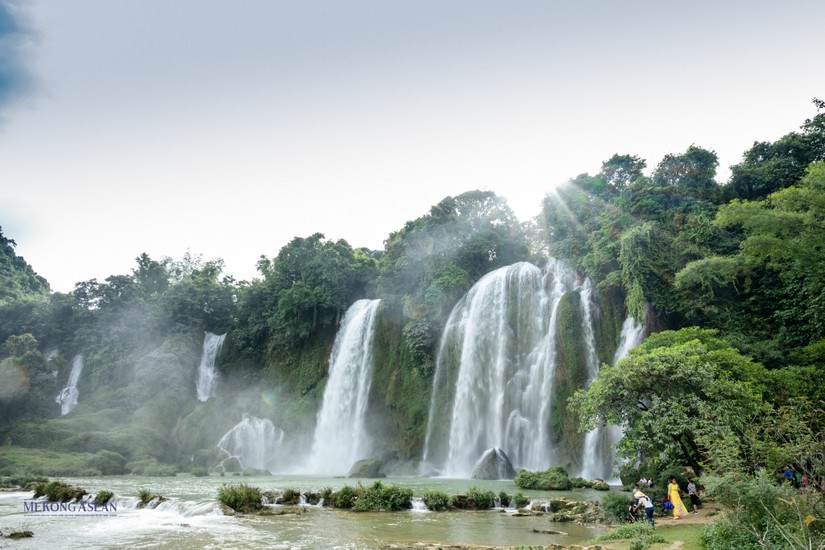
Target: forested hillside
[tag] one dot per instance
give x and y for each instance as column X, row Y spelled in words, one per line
column 742, row 260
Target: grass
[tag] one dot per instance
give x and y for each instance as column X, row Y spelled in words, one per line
column 687, row 533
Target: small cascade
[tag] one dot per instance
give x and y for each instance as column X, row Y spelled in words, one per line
column 495, row 370
column 252, row 443
column 67, row 398
column 417, row 505
column 207, row 373
column 341, row 437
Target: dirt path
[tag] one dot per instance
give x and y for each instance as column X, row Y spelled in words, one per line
column 707, row 514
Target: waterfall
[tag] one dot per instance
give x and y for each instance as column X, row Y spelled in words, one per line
column 599, row 445
column 340, row 434
column 501, row 340
column 207, row 374
column 633, row 333
column 252, row 443
column 67, row 398
column 595, row 458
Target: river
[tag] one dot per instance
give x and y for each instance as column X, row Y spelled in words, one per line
column 191, row 518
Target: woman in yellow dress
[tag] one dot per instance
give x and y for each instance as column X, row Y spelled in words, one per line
column 679, row 510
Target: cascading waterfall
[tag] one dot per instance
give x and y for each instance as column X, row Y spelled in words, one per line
column 67, row 398
column 501, row 340
column 340, row 434
column 599, row 447
column 252, row 443
column 633, row 333
column 595, row 459
column 207, row 373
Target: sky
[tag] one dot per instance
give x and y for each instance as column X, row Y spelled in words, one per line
column 227, row 128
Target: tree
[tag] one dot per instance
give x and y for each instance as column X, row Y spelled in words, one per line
column 674, row 394
column 694, row 171
column 768, row 167
column 619, row 171
column 775, row 279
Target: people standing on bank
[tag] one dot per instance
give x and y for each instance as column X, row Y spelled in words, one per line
column 673, row 492
column 647, row 504
column 693, row 493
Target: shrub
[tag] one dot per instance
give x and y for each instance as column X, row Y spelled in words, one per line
column 600, row 485
column 553, row 479
column 199, row 471
column 480, row 499
column 145, row 495
column 520, row 500
column 326, row 494
column 436, row 500
column 58, row 491
column 289, row 496
column 345, row 497
column 103, row 497
column 580, row 482
column 379, row 497
column 614, row 507
column 241, row 498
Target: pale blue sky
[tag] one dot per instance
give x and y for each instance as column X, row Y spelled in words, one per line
column 229, row 127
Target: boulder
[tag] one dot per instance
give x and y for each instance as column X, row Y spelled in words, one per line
column 494, row 464
column 368, row 467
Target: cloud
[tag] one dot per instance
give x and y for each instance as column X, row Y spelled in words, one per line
column 16, row 41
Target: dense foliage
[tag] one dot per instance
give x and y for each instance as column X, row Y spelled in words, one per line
column 729, row 276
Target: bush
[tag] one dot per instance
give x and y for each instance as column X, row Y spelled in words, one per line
column 580, row 482
column 480, row 499
column 344, row 498
column 58, row 491
column 103, row 497
column 600, row 485
column 553, row 479
column 241, row 498
column 436, row 500
column 289, row 496
column 520, row 500
column 379, row 497
column 614, row 507
column 199, row 471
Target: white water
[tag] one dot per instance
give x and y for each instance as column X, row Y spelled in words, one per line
column 595, row 461
column 207, row 381
column 254, row 443
column 190, row 518
column 501, row 338
column 599, row 450
column 67, row 398
column 340, row 434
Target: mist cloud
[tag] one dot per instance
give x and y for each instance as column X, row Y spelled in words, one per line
column 16, row 42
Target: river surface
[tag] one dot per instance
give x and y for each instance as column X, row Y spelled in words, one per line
column 191, row 518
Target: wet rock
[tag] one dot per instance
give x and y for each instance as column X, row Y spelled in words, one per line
column 494, row 464
column 368, row 467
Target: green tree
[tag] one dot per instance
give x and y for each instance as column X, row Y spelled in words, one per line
column 768, row 167
column 17, row 278
column 619, row 171
column 674, row 394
